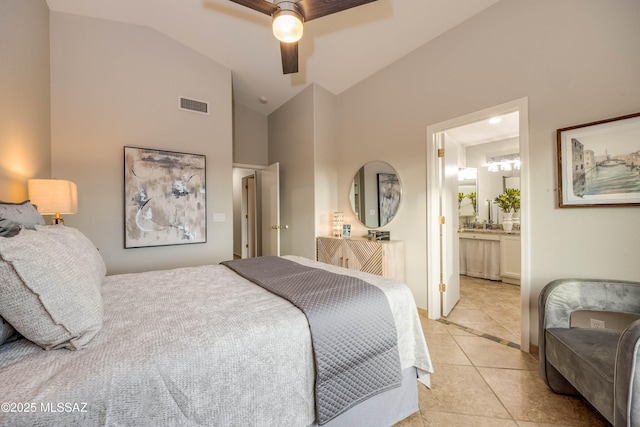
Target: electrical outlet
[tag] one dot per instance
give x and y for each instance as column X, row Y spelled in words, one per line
column 597, row 324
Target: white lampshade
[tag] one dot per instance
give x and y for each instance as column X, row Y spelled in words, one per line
column 287, row 26
column 53, row 196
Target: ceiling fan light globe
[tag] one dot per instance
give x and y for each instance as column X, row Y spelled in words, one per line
column 287, row 26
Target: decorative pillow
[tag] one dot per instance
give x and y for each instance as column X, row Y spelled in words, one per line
column 47, row 293
column 82, row 248
column 6, row 331
column 14, row 215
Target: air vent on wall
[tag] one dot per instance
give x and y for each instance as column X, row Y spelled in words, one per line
column 193, row 105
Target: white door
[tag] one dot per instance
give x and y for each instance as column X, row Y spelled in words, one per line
column 248, row 217
column 252, row 250
column 244, row 216
column 270, row 188
column 449, row 243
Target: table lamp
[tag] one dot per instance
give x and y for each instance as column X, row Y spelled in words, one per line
column 53, row 197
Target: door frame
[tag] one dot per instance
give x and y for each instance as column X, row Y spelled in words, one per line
column 249, row 217
column 248, row 169
column 433, row 247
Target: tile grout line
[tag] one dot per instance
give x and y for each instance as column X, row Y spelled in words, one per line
column 473, row 331
column 480, row 334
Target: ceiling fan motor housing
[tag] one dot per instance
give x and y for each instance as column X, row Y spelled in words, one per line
column 298, row 11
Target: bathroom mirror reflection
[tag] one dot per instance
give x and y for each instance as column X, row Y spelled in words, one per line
column 467, row 192
column 375, row 194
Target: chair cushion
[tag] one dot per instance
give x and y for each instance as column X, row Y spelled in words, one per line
column 586, row 358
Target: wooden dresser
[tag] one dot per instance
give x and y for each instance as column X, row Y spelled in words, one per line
column 384, row 258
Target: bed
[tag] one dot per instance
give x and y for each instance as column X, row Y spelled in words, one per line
column 187, row 346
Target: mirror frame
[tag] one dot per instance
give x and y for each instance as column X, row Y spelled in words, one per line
column 392, row 188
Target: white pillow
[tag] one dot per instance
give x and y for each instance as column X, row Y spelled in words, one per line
column 47, row 293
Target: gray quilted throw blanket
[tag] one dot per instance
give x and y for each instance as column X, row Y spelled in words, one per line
column 352, row 330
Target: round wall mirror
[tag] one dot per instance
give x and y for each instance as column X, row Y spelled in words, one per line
column 375, row 194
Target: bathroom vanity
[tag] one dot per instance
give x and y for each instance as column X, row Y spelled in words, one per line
column 490, row 254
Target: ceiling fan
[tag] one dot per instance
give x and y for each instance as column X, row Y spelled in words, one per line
column 288, row 16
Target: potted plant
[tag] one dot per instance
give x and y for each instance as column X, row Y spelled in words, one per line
column 472, row 197
column 508, row 202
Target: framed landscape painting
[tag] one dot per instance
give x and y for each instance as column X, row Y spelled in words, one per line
column 599, row 163
column 164, row 198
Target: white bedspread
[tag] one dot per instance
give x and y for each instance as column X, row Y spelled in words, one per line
column 191, row 346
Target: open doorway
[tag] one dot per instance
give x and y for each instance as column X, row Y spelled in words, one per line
column 447, row 150
column 246, row 217
column 256, row 210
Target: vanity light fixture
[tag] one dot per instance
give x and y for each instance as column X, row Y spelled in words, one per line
column 465, row 174
column 506, row 162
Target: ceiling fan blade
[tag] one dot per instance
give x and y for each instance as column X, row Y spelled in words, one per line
column 312, row 9
column 261, row 6
column 289, row 52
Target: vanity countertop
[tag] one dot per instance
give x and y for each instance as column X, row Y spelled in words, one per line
column 468, row 233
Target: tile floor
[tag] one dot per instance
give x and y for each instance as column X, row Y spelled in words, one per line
column 481, row 382
column 490, row 307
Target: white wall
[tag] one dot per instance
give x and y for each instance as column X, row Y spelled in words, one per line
column 291, row 143
column 250, row 147
column 327, row 152
column 115, row 84
column 25, row 114
column 250, row 136
column 577, row 60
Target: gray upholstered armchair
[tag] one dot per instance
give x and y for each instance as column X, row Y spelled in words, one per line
column 589, row 344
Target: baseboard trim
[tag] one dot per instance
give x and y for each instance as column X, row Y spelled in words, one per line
column 533, row 350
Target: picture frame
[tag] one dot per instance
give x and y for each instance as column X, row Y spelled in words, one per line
column 599, row 163
column 165, row 199
column 389, row 193
column 346, row 230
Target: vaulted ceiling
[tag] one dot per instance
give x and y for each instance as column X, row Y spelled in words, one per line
column 336, row 51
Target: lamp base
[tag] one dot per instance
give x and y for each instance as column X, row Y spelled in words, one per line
column 57, row 220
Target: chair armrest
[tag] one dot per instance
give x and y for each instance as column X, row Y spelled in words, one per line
column 627, row 378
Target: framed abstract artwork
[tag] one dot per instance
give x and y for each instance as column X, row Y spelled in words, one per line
column 599, row 163
column 389, row 193
column 164, row 198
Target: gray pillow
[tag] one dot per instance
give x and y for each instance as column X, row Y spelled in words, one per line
column 14, row 215
column 46, row 293
column 82, row 248
column 6, row 331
